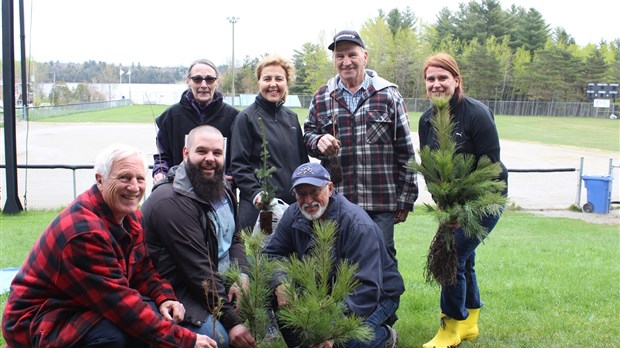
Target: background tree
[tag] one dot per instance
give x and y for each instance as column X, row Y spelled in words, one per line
column 481, row 71
column 614, row 60
column 552, row 80
column 595, row 67
column 379, row 43
column 530, row 31
column 482, row 20
column 445, row 27
column 397, row 20
column 312, row 69
column 521, row 78
column 60, row 94
column 409, row 58
column 318, row 67
column 561, row 37
column 502, row 52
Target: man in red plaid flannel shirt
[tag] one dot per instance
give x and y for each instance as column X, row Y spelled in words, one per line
column 88, row 280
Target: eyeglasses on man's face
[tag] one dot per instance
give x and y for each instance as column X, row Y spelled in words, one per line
column 198, row 79
column 314, row 192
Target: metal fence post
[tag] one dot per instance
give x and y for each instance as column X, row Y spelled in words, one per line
column 578, row 200
column 74, row 184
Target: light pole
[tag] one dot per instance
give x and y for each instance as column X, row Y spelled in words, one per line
column 129, row 78
column 232, row 21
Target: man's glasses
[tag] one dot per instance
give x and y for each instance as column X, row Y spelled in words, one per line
column 314, row 193
column 198, row 79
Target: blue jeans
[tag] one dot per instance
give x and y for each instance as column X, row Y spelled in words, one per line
column 385, row 221
column 220, row 336
column 465, row 293
column 376, row 321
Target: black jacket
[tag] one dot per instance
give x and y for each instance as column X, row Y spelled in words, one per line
column 182, row 244
column 285, row 144
column 178, row 119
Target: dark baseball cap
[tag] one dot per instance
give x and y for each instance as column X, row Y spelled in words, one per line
column 347, row 35
column 310, row 173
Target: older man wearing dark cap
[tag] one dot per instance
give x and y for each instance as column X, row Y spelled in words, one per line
column 358, row 127
column 359, row 241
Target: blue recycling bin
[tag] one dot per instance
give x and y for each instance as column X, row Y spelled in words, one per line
column 599, row 193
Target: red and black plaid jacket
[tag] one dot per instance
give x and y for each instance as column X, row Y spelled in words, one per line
column 86, row 267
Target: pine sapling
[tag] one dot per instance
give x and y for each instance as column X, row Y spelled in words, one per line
column 316, row 288
column 254, row 302
column 268, row 191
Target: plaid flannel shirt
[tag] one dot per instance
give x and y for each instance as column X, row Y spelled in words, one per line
column 375, row 140
column 85, row 267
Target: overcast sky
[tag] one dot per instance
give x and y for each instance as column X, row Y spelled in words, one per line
column 171, row 33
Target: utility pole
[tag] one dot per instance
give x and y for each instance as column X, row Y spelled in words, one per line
column 233, row 20
column 12, row 204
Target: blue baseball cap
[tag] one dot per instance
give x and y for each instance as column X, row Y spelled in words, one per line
column 310, row 173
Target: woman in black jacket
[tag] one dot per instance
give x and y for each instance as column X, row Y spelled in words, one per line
column 474, row 133
column 282, row 131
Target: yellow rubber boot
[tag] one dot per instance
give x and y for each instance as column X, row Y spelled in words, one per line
column 448, row 334
column 469, row 327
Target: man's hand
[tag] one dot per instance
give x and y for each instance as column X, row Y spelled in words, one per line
column 400, row 215
column 328, row 145
column 235, row 291
column 281, row 295
column 203, row 341
column 326, row 344
column 240, row 337
column 157, row 177
column 230, row 180
column 172, row 310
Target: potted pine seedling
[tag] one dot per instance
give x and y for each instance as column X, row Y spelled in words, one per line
column 268, row 192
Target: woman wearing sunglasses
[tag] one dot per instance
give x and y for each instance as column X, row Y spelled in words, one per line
column 200, row 104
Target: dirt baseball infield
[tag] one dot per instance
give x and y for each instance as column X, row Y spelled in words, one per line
column 550, row 193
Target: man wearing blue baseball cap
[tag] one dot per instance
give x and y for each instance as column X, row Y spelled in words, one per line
column 360, row 241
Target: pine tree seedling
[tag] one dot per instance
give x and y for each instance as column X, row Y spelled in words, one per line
column 268, row 191
column 317, row 309
column 254, row 302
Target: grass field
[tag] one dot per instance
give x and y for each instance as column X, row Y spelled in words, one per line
column 592, row 133
column 545, row 282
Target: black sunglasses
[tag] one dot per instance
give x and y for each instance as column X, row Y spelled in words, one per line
column 198, row 79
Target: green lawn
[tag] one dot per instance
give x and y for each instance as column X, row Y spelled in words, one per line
column 591, row 133
column 545, row 282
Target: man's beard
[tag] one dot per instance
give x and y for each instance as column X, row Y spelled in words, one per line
column 210, row 189
column 314, row 216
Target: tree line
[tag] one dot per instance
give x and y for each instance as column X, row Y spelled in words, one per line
column 504, row 54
